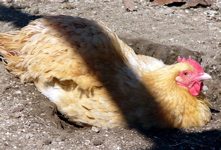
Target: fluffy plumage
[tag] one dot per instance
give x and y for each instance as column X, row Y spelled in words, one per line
column 95, row 78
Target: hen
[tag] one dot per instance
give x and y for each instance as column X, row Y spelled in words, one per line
column 95, row 79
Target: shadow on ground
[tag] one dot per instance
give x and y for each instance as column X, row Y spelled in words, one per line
column 17, row 17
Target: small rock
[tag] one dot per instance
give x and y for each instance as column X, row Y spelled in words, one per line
column 47, row 142
column 24, row 103
column 17, row 109
column 29, row 135
column 6, row 144
column 36, row 11
column 205, row 88
column 61, row 138
column 211, row 12
column 16, row 115
column 168, row 11
column 97, row 142
column 68, row 6
column 186, row 11
column 18, row 92
column 15, row 6
column 95, row 129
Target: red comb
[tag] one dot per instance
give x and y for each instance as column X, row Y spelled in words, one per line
column 191, row 61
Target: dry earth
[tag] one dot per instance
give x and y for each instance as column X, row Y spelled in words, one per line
column 29, row 121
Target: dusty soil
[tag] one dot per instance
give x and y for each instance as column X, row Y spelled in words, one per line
column 29, row 121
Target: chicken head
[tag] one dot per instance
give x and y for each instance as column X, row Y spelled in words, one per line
column 192, row 79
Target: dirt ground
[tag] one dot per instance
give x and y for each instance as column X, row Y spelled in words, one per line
column 29, row 121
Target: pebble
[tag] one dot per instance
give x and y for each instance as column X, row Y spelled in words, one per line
column 17, row 109
column 18, row 92
column 168, row 11
column 47, row 142
column 205, row 88
column 211, row 12
column 186, row 11
column 6, row 144
column 28, row 136
column 68, row 6
column 16, row 115
column 61, row 138
column 95, row 129
column 97, row 142
column 35, row 11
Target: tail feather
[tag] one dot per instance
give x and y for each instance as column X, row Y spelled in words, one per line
column 9, row 49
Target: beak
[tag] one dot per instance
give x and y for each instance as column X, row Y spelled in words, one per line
column 204, row 76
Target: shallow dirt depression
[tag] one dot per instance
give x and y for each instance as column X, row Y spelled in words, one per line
column 29, row 121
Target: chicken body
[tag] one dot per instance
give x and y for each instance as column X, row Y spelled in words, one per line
column 94, row 78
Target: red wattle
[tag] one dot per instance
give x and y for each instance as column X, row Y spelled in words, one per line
column 195, row 89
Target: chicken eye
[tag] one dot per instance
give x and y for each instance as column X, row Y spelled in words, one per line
column 185, row 73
